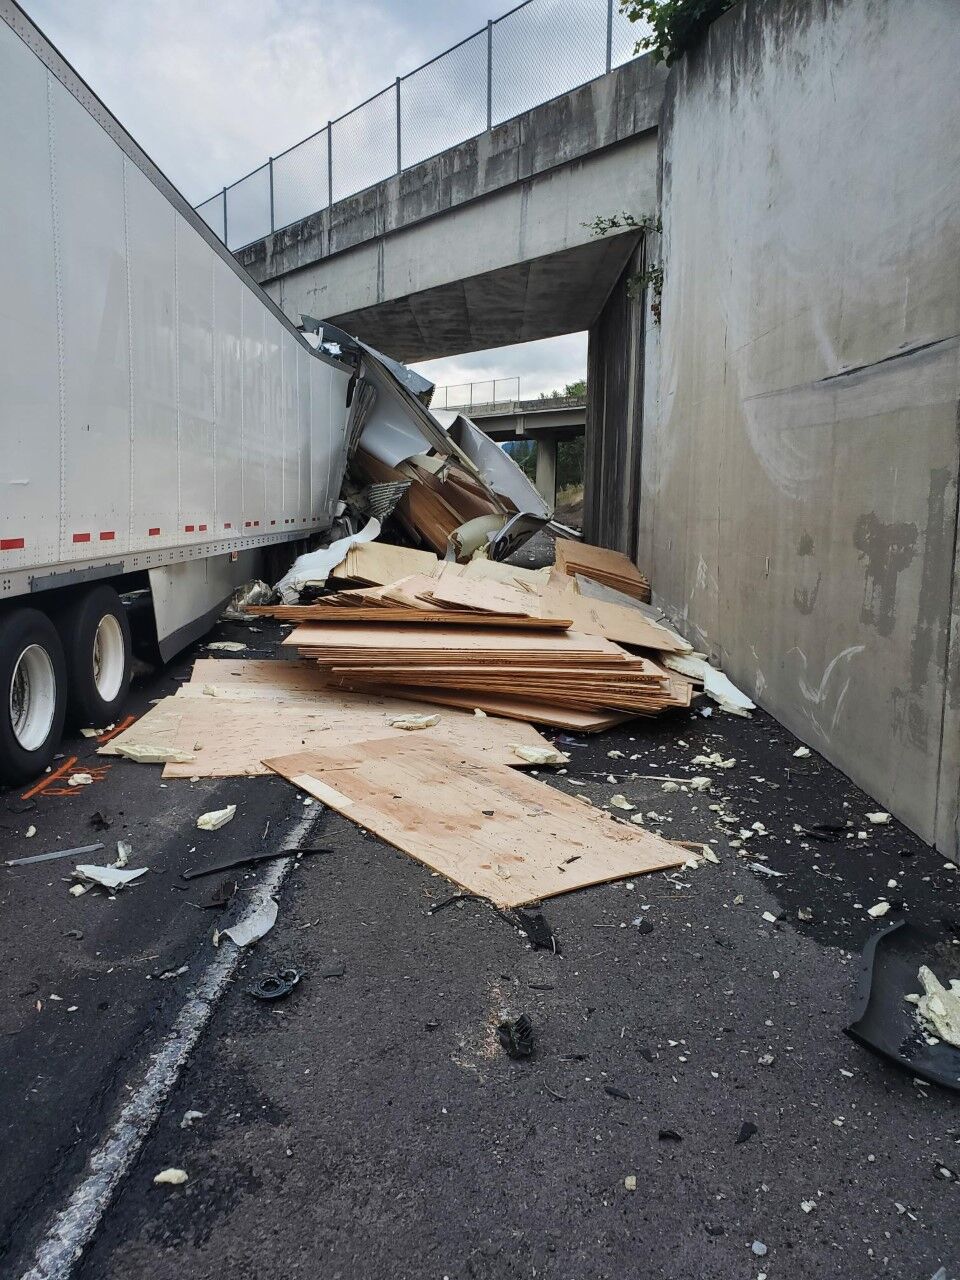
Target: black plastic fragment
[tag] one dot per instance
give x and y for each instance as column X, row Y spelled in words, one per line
column 645, row 926
column 887, row 1022
column 516, row 1036
column 448, row 902
column 275, row 986
column 825, row 832
column 669, row 1135
column 243, row 860
column 534, row 925
column 614, row 1092
column 100, row 821
column 747, row 1130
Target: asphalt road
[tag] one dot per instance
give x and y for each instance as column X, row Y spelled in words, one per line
column 370, row 1125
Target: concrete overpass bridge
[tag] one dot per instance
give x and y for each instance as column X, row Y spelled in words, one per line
column 488, row 243
column 545, row 421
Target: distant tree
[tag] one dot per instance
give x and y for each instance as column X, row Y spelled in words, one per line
column 676, row 25
column 570, row 463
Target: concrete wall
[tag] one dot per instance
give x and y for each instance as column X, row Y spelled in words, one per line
column 484, row 244
column 799, row 498
column 615, row 379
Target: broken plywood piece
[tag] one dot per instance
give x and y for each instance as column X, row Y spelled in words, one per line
column 486, row 827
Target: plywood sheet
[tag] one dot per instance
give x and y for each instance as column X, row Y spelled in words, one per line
column 228, row 729
column 487, row 828
column 557, row 717
column 603, row 565
column 379, row 563
column 614, row 621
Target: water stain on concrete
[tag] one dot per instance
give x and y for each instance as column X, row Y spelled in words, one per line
column 887, row 550
column 930, row 632
column 805, row 598
column 805, row 544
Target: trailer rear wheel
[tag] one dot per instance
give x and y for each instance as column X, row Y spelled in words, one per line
column 96, row 641
column 32, row 694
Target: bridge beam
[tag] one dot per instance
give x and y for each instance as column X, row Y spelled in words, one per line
column 488, row 243
column 546, row 473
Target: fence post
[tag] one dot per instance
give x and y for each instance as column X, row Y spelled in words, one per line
column 489, row 73
column 272, row 221
column 329, row 164
column 224, row 215
column 609, row 34
column 399, row 160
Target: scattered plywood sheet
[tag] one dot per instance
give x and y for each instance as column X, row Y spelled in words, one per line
column 157, row 727
column 497, row 571
column 556, row 717
column 612, row 568
column 489, row 829
column 614, row 621
column 228, row 736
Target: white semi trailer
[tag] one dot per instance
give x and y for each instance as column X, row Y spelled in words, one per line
column 162, row 423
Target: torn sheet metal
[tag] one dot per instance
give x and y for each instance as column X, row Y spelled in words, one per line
column 111, row 878
column 496, row 468
column 315, row 567
column 253, row 928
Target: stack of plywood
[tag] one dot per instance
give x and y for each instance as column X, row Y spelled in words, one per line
column 444, row 597
column 611, row 568
column 536, row 676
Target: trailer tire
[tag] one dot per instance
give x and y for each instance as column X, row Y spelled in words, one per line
column 96, row 643
column 33, row 694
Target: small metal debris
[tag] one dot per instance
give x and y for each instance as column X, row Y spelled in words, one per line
column 112, row 878
column 274, row 986
column 57, row 853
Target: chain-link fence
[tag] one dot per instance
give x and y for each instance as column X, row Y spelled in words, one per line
column 536, row 52
column 466, row 395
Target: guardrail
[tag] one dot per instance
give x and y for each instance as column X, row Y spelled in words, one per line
column 536, row 52
column 465, row 395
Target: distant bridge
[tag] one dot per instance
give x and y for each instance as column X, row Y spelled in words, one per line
column 545, row 421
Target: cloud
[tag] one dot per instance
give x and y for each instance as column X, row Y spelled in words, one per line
column 211, row 90
column 543, row 366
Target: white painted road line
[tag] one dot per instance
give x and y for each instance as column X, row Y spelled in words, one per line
column 72, row 1229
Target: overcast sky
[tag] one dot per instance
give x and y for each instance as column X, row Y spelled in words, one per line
column 210, row 88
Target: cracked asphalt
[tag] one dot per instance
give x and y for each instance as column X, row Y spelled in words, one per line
column 371, row 1125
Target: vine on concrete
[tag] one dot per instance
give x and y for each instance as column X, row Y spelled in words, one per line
column 652, row 278
column 676, row 25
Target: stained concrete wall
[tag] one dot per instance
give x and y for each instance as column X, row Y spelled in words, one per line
column 615, row 382
column 799, row 478
column 487, row 243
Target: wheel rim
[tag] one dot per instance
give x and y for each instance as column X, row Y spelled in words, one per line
column 33, row 698
column 108, row 657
